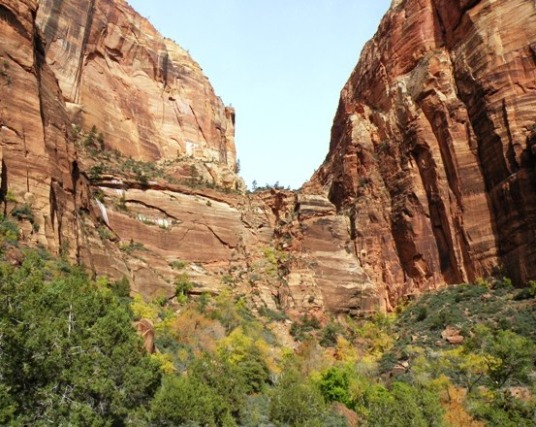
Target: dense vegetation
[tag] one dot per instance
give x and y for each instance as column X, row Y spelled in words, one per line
column 69, row 355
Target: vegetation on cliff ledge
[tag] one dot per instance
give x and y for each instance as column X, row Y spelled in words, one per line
column 69, row 355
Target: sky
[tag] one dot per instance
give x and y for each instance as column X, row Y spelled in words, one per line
column 280, row 63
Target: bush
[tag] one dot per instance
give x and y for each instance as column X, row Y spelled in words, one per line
column 185, row 399
column 300, row 329
column 295, row 402
column 69, row 353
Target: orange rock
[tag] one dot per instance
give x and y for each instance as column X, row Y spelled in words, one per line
column 430, row 157
column 145, row 329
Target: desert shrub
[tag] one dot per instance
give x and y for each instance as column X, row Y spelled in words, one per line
column 273, row 315
column 301, row 328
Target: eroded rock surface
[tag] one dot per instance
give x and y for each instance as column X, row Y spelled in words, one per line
column 145, row 93
column 116, row 152
column 430, row 156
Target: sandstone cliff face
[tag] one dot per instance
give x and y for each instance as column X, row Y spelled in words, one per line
column 38, row 176
column 151, row 192
column 429, row 179
column 144, row 93
column 430, row 157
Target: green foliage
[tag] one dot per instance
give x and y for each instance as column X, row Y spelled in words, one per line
column 403, row 406
column 132, row 247
column 301, row 329
column 330, row 333
column 516, row 356
column 295, row 402
column 104, row 232
column 532, row 288
column 503, row 410
column 10, row 197
column 9, row 232
column 24, row 212
column 95, row 172
column 178, row 264
column 186, row 399
column 69, row 353
column 183, row 286
column 273, row 315
column 335, row 385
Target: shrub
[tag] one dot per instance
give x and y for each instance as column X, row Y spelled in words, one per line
column 273, row 315
column 131, row 247
column 300, row 329
column 295, row 402
column 183, row 286
column 185, row 399
column 25, row 212
column 178, row 264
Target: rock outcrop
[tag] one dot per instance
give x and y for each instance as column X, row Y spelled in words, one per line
column 117, row 153
column 144, row 93
column 39, row 180
column 430, row 156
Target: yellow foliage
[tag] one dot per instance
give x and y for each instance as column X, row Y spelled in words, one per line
column 166, row 365
column 237, row 346
column 374, row 338
column 345, row 351
column 473, row 366
column 456, row 415
column 144, row 310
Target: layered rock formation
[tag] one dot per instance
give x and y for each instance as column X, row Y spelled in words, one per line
column 38, row 179
column 117, row 153
column 430, row 157
column 146, row 95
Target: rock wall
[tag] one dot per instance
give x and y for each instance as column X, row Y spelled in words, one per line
column 430, row 155
column 38, row 178
column 150, row 193
column 429, row 179
column 145, row 93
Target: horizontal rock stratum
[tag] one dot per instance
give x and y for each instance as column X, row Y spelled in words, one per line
column 117, row 153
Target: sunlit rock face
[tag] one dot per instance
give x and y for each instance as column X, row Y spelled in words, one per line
column 37, row 173
column 69, row 66
column 430, row 157
column 116, row 153
column 145, row 93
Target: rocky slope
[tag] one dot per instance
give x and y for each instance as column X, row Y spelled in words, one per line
column 116, row 152
column 431, row 156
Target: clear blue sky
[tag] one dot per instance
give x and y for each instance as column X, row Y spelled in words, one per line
column 280, row 63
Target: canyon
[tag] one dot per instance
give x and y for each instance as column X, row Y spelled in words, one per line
column 117, row 153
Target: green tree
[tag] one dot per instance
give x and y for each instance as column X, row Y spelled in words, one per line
column 296, row 402
column 182, row 400
column 515, row 354
column 69, row 353
column 335, row 386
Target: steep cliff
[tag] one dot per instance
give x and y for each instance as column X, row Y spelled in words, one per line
column 146, row 95
column 117, row 153
column 95, row 104
column 431, row 154
column 39, row 180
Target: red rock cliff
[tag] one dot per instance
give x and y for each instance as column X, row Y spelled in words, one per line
column 145, row 93
column 431, row 155
column 430, row 174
